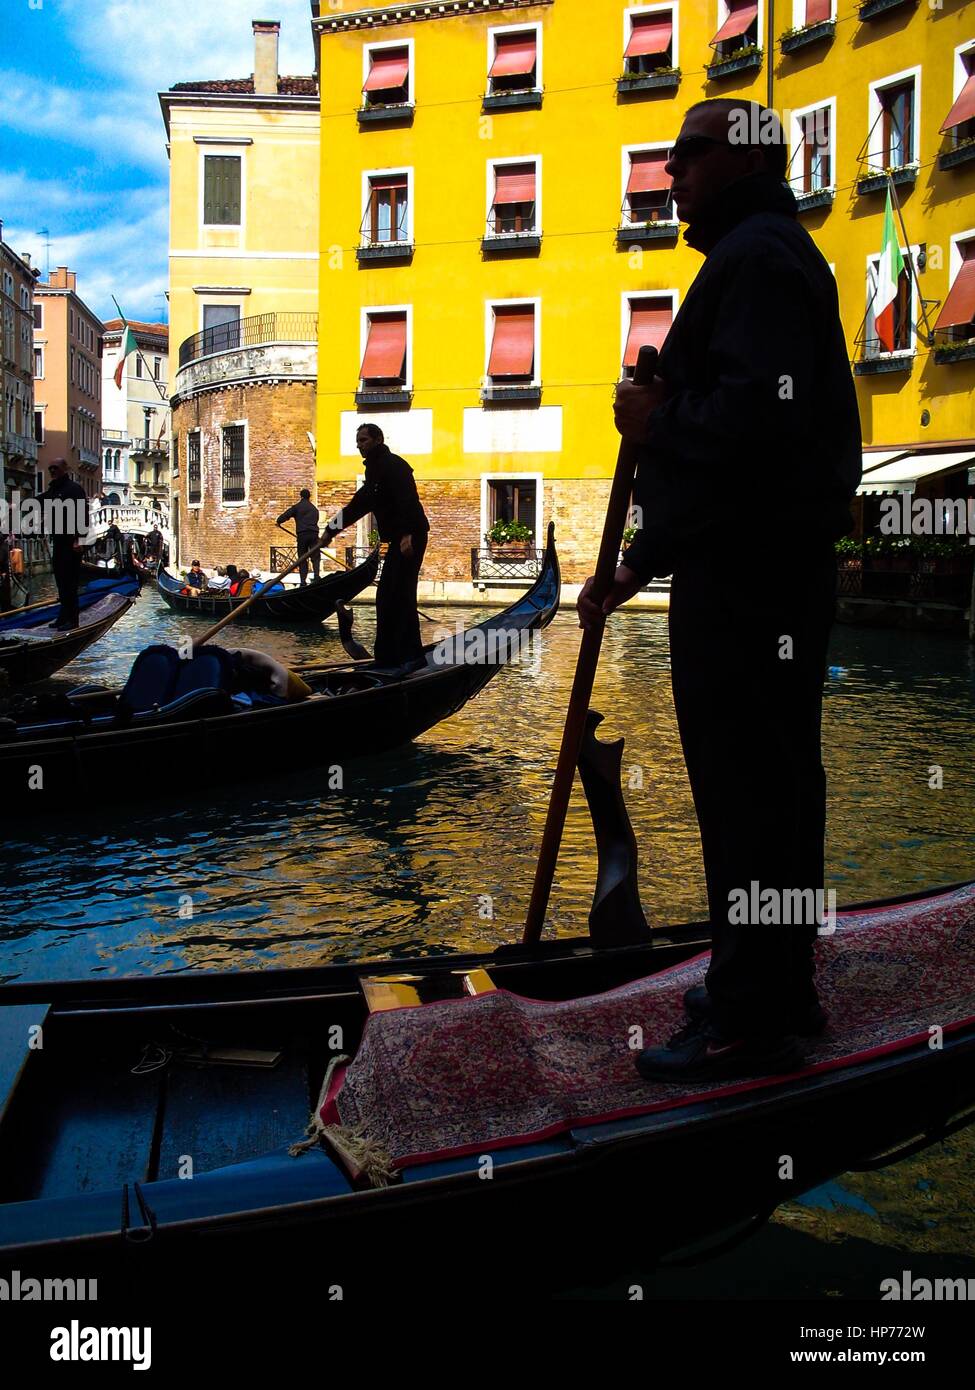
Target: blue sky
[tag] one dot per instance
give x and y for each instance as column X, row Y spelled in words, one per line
column 82, row 142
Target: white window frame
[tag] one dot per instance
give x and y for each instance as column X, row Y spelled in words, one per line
column 522, row 302
column 960, row 73
column 410, row 45
column 873, row 266
column 875, row 155
column 230, row 148
column 39, row 375
column 724, row 12
column 364, row 314
column 954, row 253
column 796, row 141
column 492, row 37
column 626, row 299
column 641, row 12
column 245, row 501
column 645, row 147
column 199, row 434
column 492, row 165
column 511, row 477
column 367, row 176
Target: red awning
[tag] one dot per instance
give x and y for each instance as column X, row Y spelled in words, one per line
column 959, row 307
column 513, row 348
column 649, row 323
column 647, row 172
column 385, row 353
column 514, row 55
column 818, row 10
column 651, row 35
column 743, row 14
column 964, row 107
column 390, row 68
column 514, row 184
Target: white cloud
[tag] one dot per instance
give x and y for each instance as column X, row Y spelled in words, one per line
column 127, row 130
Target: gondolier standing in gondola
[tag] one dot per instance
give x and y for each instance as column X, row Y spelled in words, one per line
column 69, row 522
column 751, row 454
column 389, row 493
column 304, row 514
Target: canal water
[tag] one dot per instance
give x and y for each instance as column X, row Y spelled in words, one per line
column 432, row 848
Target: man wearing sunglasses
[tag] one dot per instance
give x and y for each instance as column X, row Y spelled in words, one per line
column 750, row 454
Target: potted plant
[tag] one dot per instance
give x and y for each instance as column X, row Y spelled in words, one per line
column 629, row 533
column 509, row 540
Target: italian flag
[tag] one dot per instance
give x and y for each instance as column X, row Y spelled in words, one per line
column 888, row 274
column 128, row 345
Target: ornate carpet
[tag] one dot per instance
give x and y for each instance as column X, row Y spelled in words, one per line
column 470, row 1075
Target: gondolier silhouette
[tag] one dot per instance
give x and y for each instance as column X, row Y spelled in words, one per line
column 750, row 455
column 67, row 528
column 389, row 492
column 305, row 515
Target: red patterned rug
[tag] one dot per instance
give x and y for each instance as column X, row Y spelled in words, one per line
column 470, row 1075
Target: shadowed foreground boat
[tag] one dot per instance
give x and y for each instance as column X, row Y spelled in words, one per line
column 31, row 648
column 299, row 603
column 181, row 715
column 507, row 1117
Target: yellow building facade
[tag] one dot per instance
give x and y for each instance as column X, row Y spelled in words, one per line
column 496, row 236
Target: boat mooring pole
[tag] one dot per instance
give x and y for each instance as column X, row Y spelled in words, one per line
column 588, row 659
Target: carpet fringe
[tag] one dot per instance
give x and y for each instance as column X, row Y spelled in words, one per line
column 357, row 1150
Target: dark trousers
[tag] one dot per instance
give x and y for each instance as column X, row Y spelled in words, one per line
column 748, row 660
column 66, row 563
column 397, row 623
column 306, row 539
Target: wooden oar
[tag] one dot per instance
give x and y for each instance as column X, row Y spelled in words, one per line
column 588, row 659
column 260, row 591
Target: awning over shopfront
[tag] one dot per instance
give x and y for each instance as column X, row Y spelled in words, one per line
column 907, row 470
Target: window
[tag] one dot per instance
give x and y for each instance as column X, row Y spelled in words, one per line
column 649, row 40
column 138, row 364
column 233, row 481
column 513, row 60
column 39, row 426
column 194, row 478
column 513, row 198
column 156, row 368
column 514, row 499
column 221, row 190
column 646, row 323
column 221, row 327
column 956, row 322
column 38, row 364
column 38, row 315
column 387, row 79
column 812, row 165
column 739, row 28
column 71, row 322
column 72, row 367
column 386, row 217
column 646, row 194
column 512, row 359
column 960, row 120
column 888, row 328
column 384, row 361
column 897, row 125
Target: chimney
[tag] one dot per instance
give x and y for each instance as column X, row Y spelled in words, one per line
column 25, row 257
column 266, row 57
column 62, row 278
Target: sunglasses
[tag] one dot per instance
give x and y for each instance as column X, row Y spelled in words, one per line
column 693, row 146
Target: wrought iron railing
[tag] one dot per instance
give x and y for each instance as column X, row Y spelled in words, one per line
column 290, row 327
column 525, row 563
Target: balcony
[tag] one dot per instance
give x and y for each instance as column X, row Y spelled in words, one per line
column 876, row 362
column 23, row 446
column 872, row 9
column 527, row 99
column 957, row 154
column 511, row 564
column 642, row 233
column 953, row 345
column 266, row 346
column 816, row 198
column 664, row 79
column 822, row 32
column 384, row 251
column 391, row 113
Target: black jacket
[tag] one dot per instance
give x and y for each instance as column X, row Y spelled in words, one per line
column 305, row 516
column 64, row 489
column 759, row 436
column 389, row 492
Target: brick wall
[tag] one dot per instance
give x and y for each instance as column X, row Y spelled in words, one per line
column 578, row 508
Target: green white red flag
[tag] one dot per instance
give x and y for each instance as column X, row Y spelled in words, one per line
column 127, row 345
column 889, row 272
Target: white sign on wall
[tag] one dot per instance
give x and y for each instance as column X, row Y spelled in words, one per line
column 502, row 431
column 406, row 431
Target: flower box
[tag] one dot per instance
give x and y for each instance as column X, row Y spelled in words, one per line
column 818, row 198
column 876, row 183
column 736, row 62
column 400, row 111
column 384, row 251
column 870, row 9
column 812, row 33
column 530, row 99
column 648, row 81
column 955, row 352
column 497, row 242
column 958, row 154
column 637, row 232
column 876, row 366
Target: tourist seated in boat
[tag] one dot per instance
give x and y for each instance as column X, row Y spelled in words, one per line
column 243, row 585
column 219, row 581
column 196, row 580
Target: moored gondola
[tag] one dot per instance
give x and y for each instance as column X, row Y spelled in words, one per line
column 512, row 1076
column 296, row 603
column 31, row 648
column 188, row 714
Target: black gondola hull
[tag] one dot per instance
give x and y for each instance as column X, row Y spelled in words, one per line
column 309, row 603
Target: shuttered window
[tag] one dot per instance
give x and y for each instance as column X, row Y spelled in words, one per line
column 221, row 190
column 232, row 479
column 194, row 480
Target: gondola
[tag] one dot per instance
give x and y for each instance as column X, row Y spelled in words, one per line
column 31, row 649
column 137, row 1077
column 298, row 603
column 181, row 714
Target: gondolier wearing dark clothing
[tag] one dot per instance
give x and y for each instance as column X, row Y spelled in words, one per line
column 68, row 524
column 389, row 493
column 751, row 454
column 154, row 544
column 304, row 514
column 6, row 598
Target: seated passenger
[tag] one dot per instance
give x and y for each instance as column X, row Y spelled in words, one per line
column 196, row 581
column 219, row 580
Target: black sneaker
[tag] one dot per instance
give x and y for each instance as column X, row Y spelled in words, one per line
column 810, row 1023
column 700, row 1052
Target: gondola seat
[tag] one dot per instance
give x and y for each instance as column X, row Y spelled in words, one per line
column 161, row 685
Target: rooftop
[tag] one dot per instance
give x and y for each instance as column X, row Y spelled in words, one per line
column 158, row 330
column 244, row 86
